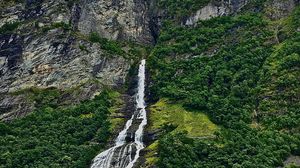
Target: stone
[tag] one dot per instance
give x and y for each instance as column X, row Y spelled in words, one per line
column 31, row 57
column 215, row 9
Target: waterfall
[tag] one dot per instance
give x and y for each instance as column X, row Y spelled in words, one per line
column 124, row 154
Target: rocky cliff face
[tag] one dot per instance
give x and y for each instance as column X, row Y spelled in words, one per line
column 44, row 43
column 276, row 9
column 116, row 19
column 216, row 8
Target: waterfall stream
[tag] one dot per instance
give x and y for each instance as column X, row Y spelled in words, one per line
column 124, row 153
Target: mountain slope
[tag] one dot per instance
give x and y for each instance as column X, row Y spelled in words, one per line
column 242, row 71
column 223, row 81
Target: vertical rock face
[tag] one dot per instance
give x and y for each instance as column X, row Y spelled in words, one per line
column 50, row 47
column 216, row 8
column 116, row 19
column 43, row 58
column 277, row 9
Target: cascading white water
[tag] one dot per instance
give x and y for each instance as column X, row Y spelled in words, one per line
column 125, row 154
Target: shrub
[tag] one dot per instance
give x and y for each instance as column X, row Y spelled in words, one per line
column 9, row 27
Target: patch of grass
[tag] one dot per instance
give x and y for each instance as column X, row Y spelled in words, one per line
column 196, row 124
column 117, row 102
column 110, row 46
column 151, row 155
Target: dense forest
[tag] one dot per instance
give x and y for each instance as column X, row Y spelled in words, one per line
column 244, row 75
column 53, row 136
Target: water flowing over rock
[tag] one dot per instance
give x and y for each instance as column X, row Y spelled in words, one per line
column 126, row 151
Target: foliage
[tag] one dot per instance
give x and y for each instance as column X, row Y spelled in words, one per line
column 278, row 91
column 181, row 7
column 230, row 68
column 9, row 27
column 56, row 25
column 83, row 48
column 221, row 84
column 195, row 123
column 56, row 137
column 10, row 2
column 232, row 148
column 110, row 46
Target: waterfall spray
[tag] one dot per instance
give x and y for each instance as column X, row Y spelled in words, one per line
column 125, row 154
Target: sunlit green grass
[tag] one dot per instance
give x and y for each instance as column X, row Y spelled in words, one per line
column 196, row 124
column 117, row 102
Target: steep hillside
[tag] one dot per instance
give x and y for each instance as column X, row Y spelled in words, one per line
column 222, row 82
column 242, row 70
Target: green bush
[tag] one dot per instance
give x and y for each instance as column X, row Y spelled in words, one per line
column 181, row 8
column 229, row 68
column 56, row 137
column 57, row 25
column 110, row 46
column 9, row 27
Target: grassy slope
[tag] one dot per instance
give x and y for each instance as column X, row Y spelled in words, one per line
column 115, row 119
column 195, row 123
column 164, row 112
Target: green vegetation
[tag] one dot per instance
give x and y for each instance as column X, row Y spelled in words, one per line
column 244, row 76
column 174, row 119
column 83, row 48
column 196, row 124
column 9, row 27
column 56, row 137
column 151, row 154
column 115, row 119
column 279, row 88
column 110, row 46
column 57, row 25
column 181, row 8
column 42, row 97
column 7, row 3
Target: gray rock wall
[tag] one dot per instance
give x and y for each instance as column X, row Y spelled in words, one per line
column 40, row 55
column 216, row 8
column 126, row 19
column 275, row 9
